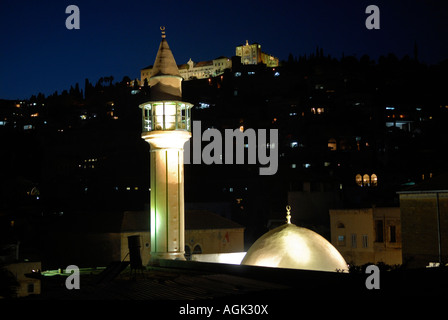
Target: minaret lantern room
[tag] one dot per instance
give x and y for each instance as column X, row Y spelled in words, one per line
column 166, row 127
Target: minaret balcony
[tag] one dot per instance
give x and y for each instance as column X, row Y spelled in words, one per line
column 166, row 116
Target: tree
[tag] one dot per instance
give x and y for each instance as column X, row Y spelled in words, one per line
column 88, row 87
column 126, row 80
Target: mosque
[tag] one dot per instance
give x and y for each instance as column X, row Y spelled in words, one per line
column 166, row 127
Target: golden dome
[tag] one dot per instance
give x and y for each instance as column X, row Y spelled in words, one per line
column 290, row 246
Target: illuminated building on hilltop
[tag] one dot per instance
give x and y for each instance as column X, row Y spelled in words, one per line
column 249, row 53
column 166, row 127
column 195, row 70
column 252, row 54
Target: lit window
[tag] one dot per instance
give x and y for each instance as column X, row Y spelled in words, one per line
column 332, row 145
column 294, row 144
column 374, row 180
column 359, row 180
column 293, row 166
column 366, row 180
column 341, row 240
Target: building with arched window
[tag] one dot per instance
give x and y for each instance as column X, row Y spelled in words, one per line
column 366, row 180
column 207, row 232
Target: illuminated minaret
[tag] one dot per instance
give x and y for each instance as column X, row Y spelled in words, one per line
column 166, row 127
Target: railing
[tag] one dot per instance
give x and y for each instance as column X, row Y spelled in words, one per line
column 166, row 115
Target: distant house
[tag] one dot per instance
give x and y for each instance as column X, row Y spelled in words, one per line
column 369, row 235
column 26, row 285
column 424, row 220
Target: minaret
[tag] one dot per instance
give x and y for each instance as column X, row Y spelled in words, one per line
column 166, row 127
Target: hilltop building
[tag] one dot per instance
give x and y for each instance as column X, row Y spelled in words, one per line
column 250, row 54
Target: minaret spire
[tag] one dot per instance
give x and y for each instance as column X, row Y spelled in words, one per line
column 165, row 80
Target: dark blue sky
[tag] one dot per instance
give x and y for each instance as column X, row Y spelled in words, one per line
column 118, row 38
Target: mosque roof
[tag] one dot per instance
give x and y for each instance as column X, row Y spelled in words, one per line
column 165, row 65
column 204, row 219
column 290, row 246
column 165, row 79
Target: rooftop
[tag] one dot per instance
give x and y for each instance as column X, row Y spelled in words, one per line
column 190, row 280
column 439, row 183
column 203, row 219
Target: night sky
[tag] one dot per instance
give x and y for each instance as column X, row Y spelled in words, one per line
column 117, row 38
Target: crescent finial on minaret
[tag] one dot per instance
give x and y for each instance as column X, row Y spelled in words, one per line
column 288, row 214
column 162, row 28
